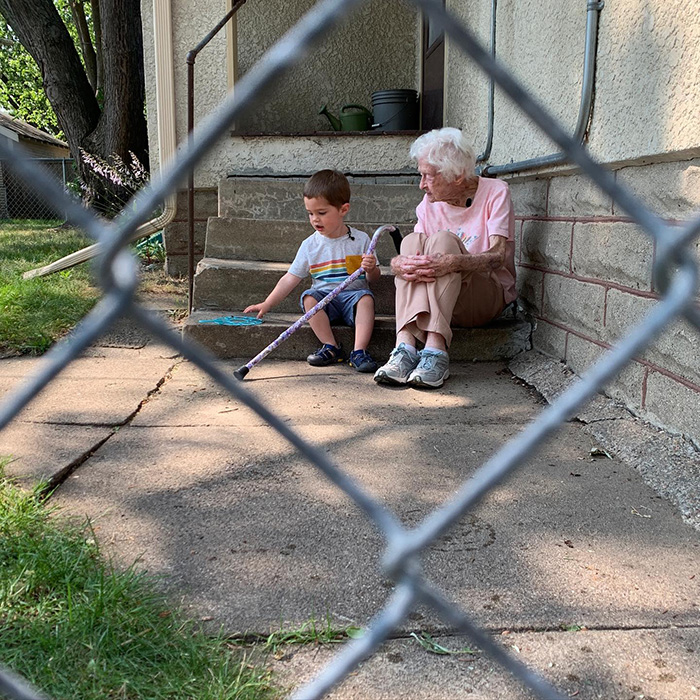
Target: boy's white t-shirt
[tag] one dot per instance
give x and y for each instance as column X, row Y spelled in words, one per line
column 324, row 259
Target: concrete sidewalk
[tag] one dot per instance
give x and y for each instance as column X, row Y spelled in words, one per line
column 575, row 563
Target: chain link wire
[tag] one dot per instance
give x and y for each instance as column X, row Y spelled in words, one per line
column 675, row 273
column 19, row 200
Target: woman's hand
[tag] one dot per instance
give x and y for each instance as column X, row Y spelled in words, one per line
column 421, row 268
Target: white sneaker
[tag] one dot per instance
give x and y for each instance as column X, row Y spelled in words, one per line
column 400, row 365
column 431, row 371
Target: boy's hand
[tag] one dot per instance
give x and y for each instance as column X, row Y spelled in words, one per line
column 369, row 263
column 261, row 309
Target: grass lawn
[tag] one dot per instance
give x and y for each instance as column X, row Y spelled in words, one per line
column 35, row 313
column 79, row 629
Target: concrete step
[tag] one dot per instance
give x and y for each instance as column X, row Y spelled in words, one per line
column 278, row 241
column 501, row 340
column 235, row 284
column 373, row 199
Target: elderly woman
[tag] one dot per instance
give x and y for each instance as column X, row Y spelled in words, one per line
column 457, row 267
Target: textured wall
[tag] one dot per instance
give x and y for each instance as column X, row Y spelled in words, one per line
column 585, row 271
column 374, row 49
column 648, row 70
column 304, row 155
column 647, row 96
column 583, row 268
column 528, row 42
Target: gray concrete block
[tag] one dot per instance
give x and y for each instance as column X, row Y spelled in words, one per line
column 277, row 241
column 673, row 405
column 518, row 240
column 176, row 237
column 235, row 284
column 502, row 339
column 546, row 244
column 264, row 198
column 582, row 354
column 549, row 339
column 677, row 349
column 206, row 203
column 578, row 305
column 529, row 197
column 528, row 283
column 668, row 464
column 618, row 252
column 577, row 195
column 233, row 518
column 177, row 265
column 672, row 190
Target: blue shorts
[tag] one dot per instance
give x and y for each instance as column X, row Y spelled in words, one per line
column 342, row 308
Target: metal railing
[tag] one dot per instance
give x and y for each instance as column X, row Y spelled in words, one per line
column 191, row 60
column 676, row 278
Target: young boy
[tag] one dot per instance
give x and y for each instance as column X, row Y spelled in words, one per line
column 323, row 255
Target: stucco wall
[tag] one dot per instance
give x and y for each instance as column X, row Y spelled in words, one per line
column 648, row 69
column 584, row 269
column 376, row 48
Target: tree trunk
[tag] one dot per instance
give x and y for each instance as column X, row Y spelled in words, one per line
column 119, row 127
column 122, row 127
column 41, row 31
column 78, row 12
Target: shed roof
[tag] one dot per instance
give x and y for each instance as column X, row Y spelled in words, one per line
column 28, row 131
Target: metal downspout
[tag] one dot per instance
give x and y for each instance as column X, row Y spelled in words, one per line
column 492, row 89
column 167, row 143
column 584, row 114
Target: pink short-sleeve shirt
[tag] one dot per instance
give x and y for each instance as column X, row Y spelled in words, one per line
column 490, row 214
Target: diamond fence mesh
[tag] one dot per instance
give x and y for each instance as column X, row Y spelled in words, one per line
column 676, row 277
column 19, row 200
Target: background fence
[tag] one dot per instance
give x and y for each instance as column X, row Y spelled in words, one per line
column 19, row 200
column 675, row 272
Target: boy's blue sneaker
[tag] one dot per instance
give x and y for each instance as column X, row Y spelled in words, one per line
column 326, row 355
column 361, row 361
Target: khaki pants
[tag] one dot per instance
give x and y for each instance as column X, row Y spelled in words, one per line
column 464, row 299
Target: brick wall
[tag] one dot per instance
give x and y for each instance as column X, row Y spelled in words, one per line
column 585, row 272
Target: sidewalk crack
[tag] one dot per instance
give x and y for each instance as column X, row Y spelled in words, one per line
column 50, row 487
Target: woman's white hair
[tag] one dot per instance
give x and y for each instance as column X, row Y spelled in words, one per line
column 447, row 150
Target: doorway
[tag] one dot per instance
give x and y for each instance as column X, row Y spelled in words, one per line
column 433, row 75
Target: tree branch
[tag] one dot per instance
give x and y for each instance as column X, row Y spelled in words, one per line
column 41, row 31
column 78, row 11
column 99, row 51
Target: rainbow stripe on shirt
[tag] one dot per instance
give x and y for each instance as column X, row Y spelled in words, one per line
column 330, row 272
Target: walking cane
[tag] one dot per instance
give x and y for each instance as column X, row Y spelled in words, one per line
column 241, row 372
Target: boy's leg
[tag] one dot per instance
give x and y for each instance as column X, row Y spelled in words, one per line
column 364, row 322
column 319, row 322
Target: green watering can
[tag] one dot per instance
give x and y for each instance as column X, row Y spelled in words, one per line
column 352, row 118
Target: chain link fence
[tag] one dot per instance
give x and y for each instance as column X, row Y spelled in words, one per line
column 19, row 200
column 676, row 278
